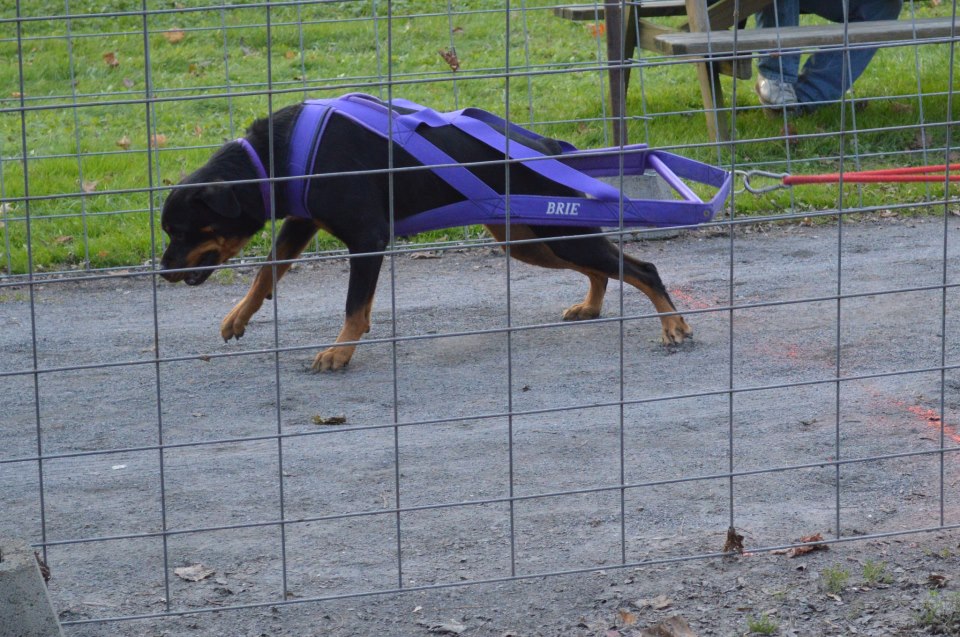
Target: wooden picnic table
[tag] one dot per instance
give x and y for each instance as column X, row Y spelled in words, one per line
column 708, row 40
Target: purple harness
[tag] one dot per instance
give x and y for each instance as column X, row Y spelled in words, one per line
column 600, row 205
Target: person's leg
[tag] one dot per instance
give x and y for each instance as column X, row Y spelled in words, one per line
column 825, row 76
column 783, row 13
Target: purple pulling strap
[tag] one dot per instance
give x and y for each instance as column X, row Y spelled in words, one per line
column 599, row 204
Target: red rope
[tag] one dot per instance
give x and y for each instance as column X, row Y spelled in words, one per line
column 911, row 174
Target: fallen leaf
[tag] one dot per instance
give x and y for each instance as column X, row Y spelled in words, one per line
column 63, row 239
column 810, row 543
column 937, row 580
column 339, row 419
column 290, row 54
column 734, row 542
column 596, row 29
column 197, row 130
column 111, row 59
column 89, row 185
column 426, row 254
column 193, row 573
column 127, row 82
column 16, row 94
column 174, row 35
column 675, row 626
column 450, row 57
column 456, row 30
column 657, row 603
column 626, row 617
column 124, row 142
column 158, row 140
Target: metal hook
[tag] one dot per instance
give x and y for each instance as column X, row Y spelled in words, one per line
column 747, row 175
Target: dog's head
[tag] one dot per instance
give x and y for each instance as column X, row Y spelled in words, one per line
column 208, row 218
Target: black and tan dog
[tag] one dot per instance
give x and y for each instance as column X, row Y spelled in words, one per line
column 209, row 218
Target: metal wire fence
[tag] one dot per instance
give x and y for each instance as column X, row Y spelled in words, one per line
column 134, row 446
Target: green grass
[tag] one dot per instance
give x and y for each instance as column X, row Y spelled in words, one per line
column 940, row 614
column 876, row 573
column 762, row 624
column 86, row 127
column 834, row 579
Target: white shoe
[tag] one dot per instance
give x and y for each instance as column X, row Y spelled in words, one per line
column 775, row 94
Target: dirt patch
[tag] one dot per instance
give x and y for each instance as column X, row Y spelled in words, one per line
column 557, row 448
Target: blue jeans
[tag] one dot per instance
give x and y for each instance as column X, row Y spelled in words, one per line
column 825, row 77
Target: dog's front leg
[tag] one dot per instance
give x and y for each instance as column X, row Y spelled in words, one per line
column 364, row 272
column 293, row 237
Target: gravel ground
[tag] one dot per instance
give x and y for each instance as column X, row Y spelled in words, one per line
column 562, row 455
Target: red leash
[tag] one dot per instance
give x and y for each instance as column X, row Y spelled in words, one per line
column 932, row 174
column 899, row 175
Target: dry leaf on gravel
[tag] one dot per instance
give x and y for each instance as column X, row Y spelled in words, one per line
column 734, row 542
column 657, row 603
column 339, row 419
column 937, row 580
column 675, row 626
column 810, row 543
column 193, row 573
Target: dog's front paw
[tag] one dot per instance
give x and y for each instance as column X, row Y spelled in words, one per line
column 333, row 358
column 675, row 330
column 233, row 325
column 581, row 312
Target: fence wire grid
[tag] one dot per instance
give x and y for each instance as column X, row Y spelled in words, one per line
column 475, row 438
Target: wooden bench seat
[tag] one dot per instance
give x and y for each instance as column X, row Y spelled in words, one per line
column 753, row 41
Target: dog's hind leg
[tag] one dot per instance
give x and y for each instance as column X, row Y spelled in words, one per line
column 294, row 235
column 364, row 272
column 599, row 260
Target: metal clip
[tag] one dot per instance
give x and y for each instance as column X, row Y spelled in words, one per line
column 747, row 175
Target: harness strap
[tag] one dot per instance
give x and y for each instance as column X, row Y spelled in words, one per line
column 264, row 179
column 304, row 143
column 375, row 116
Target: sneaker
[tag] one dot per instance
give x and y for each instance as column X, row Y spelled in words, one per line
column 776, row 94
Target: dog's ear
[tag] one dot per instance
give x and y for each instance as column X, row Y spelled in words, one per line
column 221, row 199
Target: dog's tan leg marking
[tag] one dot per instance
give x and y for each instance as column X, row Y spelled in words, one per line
column 540, row 254
column 293, row 238
column 354, row 327
column 675, row 329
column 592, row 304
